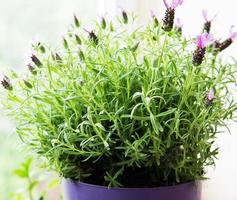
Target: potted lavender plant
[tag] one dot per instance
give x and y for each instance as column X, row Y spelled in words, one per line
column 123, row 114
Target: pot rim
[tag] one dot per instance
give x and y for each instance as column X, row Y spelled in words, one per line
column 195, row 182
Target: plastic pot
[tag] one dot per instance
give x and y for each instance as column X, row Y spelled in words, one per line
column 81, row 191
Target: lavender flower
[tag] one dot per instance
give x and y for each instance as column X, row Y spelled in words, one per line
column 6, row 83
column 210, row 97
column 208, row 22
column 199, row 53
column 179, row 25
column 168, row 21
column 225, row 44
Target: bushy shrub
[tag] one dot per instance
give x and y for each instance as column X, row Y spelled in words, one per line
column 124, row 106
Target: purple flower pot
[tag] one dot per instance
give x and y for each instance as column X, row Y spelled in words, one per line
column 81, row 191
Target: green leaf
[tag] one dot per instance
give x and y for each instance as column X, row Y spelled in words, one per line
column 168, row 112
column 53, row 183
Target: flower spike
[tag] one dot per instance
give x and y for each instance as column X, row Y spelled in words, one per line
column 168, row 21
column 6, row 83
column 201, row 43
column 208, row 22
column 226, row 43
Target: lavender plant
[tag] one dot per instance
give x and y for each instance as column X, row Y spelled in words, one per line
column 125, row 108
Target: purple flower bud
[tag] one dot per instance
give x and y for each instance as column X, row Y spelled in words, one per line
column 198, row 56
column 208, row 22
column 6, row 83
column 93, row 37
column 226, row 43
column 125, row 17
column 210, row 97
column 172, row 5
column 199, row 53
column 36, row 60
column 168, row 21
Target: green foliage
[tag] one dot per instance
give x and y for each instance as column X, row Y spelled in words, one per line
column 124, row 108
column 31, row 181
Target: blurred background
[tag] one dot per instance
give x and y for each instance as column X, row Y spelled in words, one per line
column 22, row 20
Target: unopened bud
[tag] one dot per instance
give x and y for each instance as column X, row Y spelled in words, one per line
column 207, row 27
column 78, row 39
column 65, row 43
column 111, row 27
column 154, row 19
column 28, row 84
column 125, row 17
column 76, row 21
column 81, row 54
column 6, row 83
column 42, row 48
column 103, row 23
column 93, row 37
column 36, row 60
